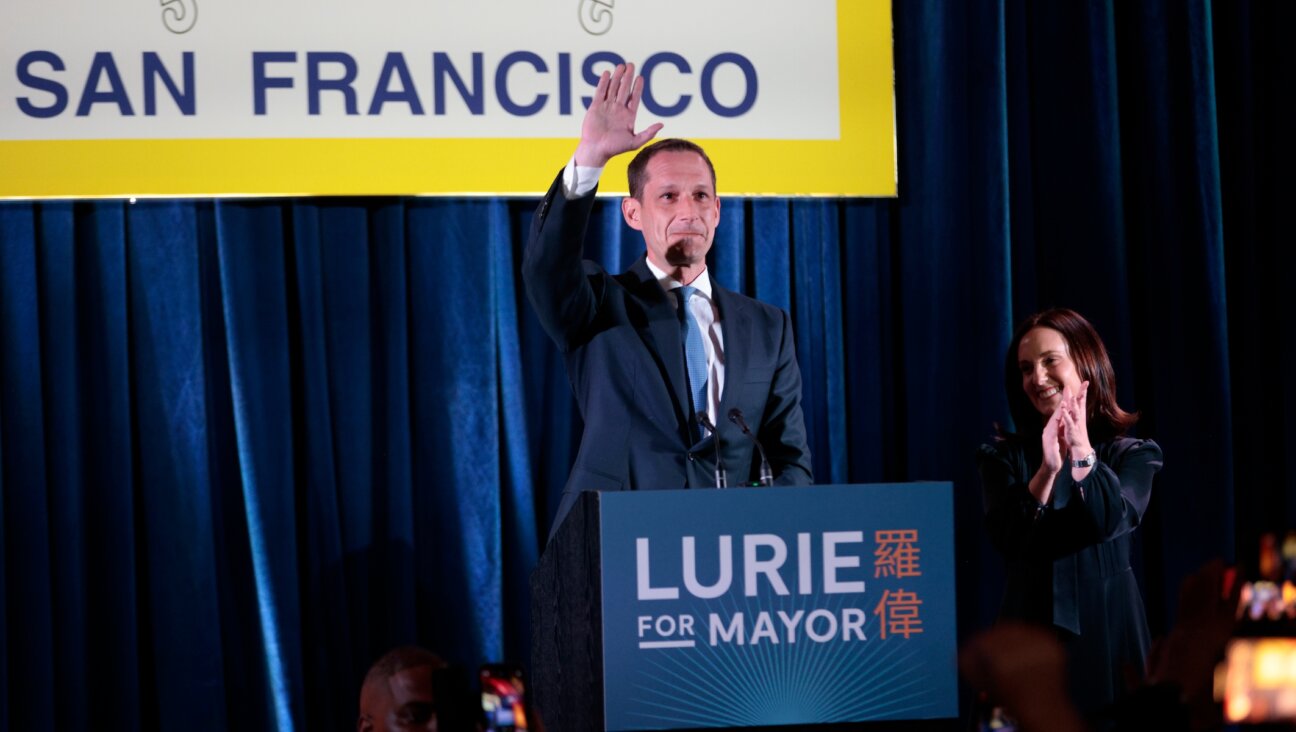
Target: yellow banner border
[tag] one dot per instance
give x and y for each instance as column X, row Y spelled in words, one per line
column 34, row 169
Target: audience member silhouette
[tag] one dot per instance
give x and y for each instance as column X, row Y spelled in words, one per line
column 1022, row 667
column 398, row 692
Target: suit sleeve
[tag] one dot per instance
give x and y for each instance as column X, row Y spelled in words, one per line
column 1013, row 517
column 782, row 429
column 1111, row 500
column 552, row 270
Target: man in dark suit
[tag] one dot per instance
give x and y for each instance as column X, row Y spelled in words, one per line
column 659, row 356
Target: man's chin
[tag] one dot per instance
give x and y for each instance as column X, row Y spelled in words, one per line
column 686, row 256
column 685, row 261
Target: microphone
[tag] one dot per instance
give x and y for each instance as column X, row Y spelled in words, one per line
column 766, row 475
column 722, row 478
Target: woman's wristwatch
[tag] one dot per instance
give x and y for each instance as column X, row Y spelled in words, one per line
column 1088, row 461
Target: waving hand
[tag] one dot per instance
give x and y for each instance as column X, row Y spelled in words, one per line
column 608, row 127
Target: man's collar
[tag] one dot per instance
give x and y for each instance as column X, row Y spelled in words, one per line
column 668, row 283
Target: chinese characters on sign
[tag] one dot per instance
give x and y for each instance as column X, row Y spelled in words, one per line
column 897, row 555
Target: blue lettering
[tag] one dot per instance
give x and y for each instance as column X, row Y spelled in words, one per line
column 31, row 81
column 261, row 82
column 708, row 93
column 315, row 84
column 649, row 101
column 501, row 83
column 395, row 83
column 103, row 65
column 592, row 76
column 564, row 83
column 442, row 67
column 153, row 70
column 395, row 63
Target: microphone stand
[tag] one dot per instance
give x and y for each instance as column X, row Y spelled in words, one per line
column 721, row 477
column 766, row 475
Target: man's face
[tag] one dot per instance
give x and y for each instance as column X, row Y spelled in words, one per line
column 679, row 211
column 406, row 703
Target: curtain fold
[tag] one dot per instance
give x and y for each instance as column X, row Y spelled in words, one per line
column 247, row 446
column 254, row 292
column 29, row 631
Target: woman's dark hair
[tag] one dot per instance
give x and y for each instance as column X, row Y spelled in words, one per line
column 1105, row 417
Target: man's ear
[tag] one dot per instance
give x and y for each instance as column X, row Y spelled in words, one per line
column 630, row 209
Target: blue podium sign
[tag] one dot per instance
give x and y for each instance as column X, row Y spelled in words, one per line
column 808, row 605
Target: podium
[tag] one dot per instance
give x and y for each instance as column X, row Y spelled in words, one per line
column 747, row 607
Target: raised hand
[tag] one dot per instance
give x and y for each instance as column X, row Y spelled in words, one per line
column 1050, row 442
column 608, row 127
column 1186, row 657
column 1075, row 422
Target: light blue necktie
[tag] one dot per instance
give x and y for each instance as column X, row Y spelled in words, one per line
column 694, row 356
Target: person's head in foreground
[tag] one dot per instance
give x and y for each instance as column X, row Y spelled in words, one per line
column 397, row 693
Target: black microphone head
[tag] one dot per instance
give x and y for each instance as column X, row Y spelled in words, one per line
column 735, row 415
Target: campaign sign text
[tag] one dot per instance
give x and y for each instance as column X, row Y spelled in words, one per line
column 750, row 607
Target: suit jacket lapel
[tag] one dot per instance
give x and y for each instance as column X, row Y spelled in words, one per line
column 735, row 325
column 662, row 336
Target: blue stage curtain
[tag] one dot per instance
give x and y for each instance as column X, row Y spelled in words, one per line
column 246, row 446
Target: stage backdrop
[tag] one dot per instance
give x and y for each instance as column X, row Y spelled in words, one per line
column 299, row 97
column 246, row 446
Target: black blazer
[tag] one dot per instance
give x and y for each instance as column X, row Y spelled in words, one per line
column 1068, row 563
column 620, row 337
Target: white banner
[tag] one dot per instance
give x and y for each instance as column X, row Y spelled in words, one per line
column 435, row 71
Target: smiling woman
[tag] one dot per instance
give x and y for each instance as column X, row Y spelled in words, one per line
column 1046, row 368
column 1063, row 496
